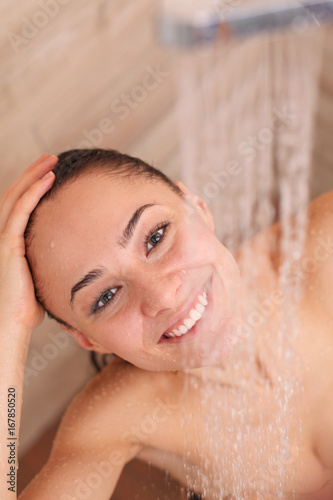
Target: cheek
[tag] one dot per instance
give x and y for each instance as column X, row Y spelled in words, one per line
column 195, row 245
column 121, row 335
column 199, row 246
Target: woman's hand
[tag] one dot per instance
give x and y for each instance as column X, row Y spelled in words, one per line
column 18, row 304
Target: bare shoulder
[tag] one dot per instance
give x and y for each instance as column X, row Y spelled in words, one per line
column 321, row 208
column 315, row 268
column 95, row 438
column 319, row 241
column 110, row 404
column 317, row 262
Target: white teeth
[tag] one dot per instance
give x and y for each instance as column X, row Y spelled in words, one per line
column 189, row 323
column 195, row 315
column 200, row 308
column 178, row 333
column 202, row 300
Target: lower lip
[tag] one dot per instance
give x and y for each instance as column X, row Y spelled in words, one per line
column 201, row 323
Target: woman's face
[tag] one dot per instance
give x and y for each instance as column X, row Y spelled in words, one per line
column 126, row 262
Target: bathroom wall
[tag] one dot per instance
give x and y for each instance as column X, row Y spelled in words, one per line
column 80, row 74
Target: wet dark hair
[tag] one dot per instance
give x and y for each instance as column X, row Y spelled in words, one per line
column 78, row 162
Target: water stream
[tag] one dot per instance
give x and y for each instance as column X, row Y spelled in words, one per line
column 246, row 114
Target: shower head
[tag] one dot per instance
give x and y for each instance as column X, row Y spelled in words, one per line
column 205, row 26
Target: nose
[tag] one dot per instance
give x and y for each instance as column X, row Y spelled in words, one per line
column 160, row 293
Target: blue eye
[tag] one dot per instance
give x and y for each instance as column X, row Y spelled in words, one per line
column 106, row 298
column 156, row 235
column 152, row 239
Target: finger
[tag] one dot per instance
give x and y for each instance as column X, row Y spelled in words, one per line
column 41, row 160
column 20, row 214
column 31, row 174
column 36, row 171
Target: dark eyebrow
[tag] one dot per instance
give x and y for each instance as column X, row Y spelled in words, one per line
column 128, row 232
column 87, row 280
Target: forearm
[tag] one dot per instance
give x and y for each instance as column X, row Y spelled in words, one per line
column 18, row 307
column 73, row 476
column 13, row 353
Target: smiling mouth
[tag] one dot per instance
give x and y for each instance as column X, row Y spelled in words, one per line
column 192, row 317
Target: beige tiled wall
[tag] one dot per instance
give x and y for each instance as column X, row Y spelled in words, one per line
column 72, row 73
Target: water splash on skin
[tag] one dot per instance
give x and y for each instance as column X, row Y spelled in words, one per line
column 246, row 140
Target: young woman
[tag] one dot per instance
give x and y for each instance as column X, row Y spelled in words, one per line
column 127, row 262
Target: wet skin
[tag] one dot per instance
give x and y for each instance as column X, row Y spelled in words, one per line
column 78, row 231
column 153, row 280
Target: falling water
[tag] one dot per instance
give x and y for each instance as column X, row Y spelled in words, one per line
column 246, row 112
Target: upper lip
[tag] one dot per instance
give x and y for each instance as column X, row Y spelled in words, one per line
column 184, row 310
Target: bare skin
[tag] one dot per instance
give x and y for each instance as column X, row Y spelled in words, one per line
column 140, row 411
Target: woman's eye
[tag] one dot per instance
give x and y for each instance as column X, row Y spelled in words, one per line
column 107, row 296
column 155, row 238
column 156, row 235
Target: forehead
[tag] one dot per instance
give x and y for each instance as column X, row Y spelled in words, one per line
column 85, row 200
